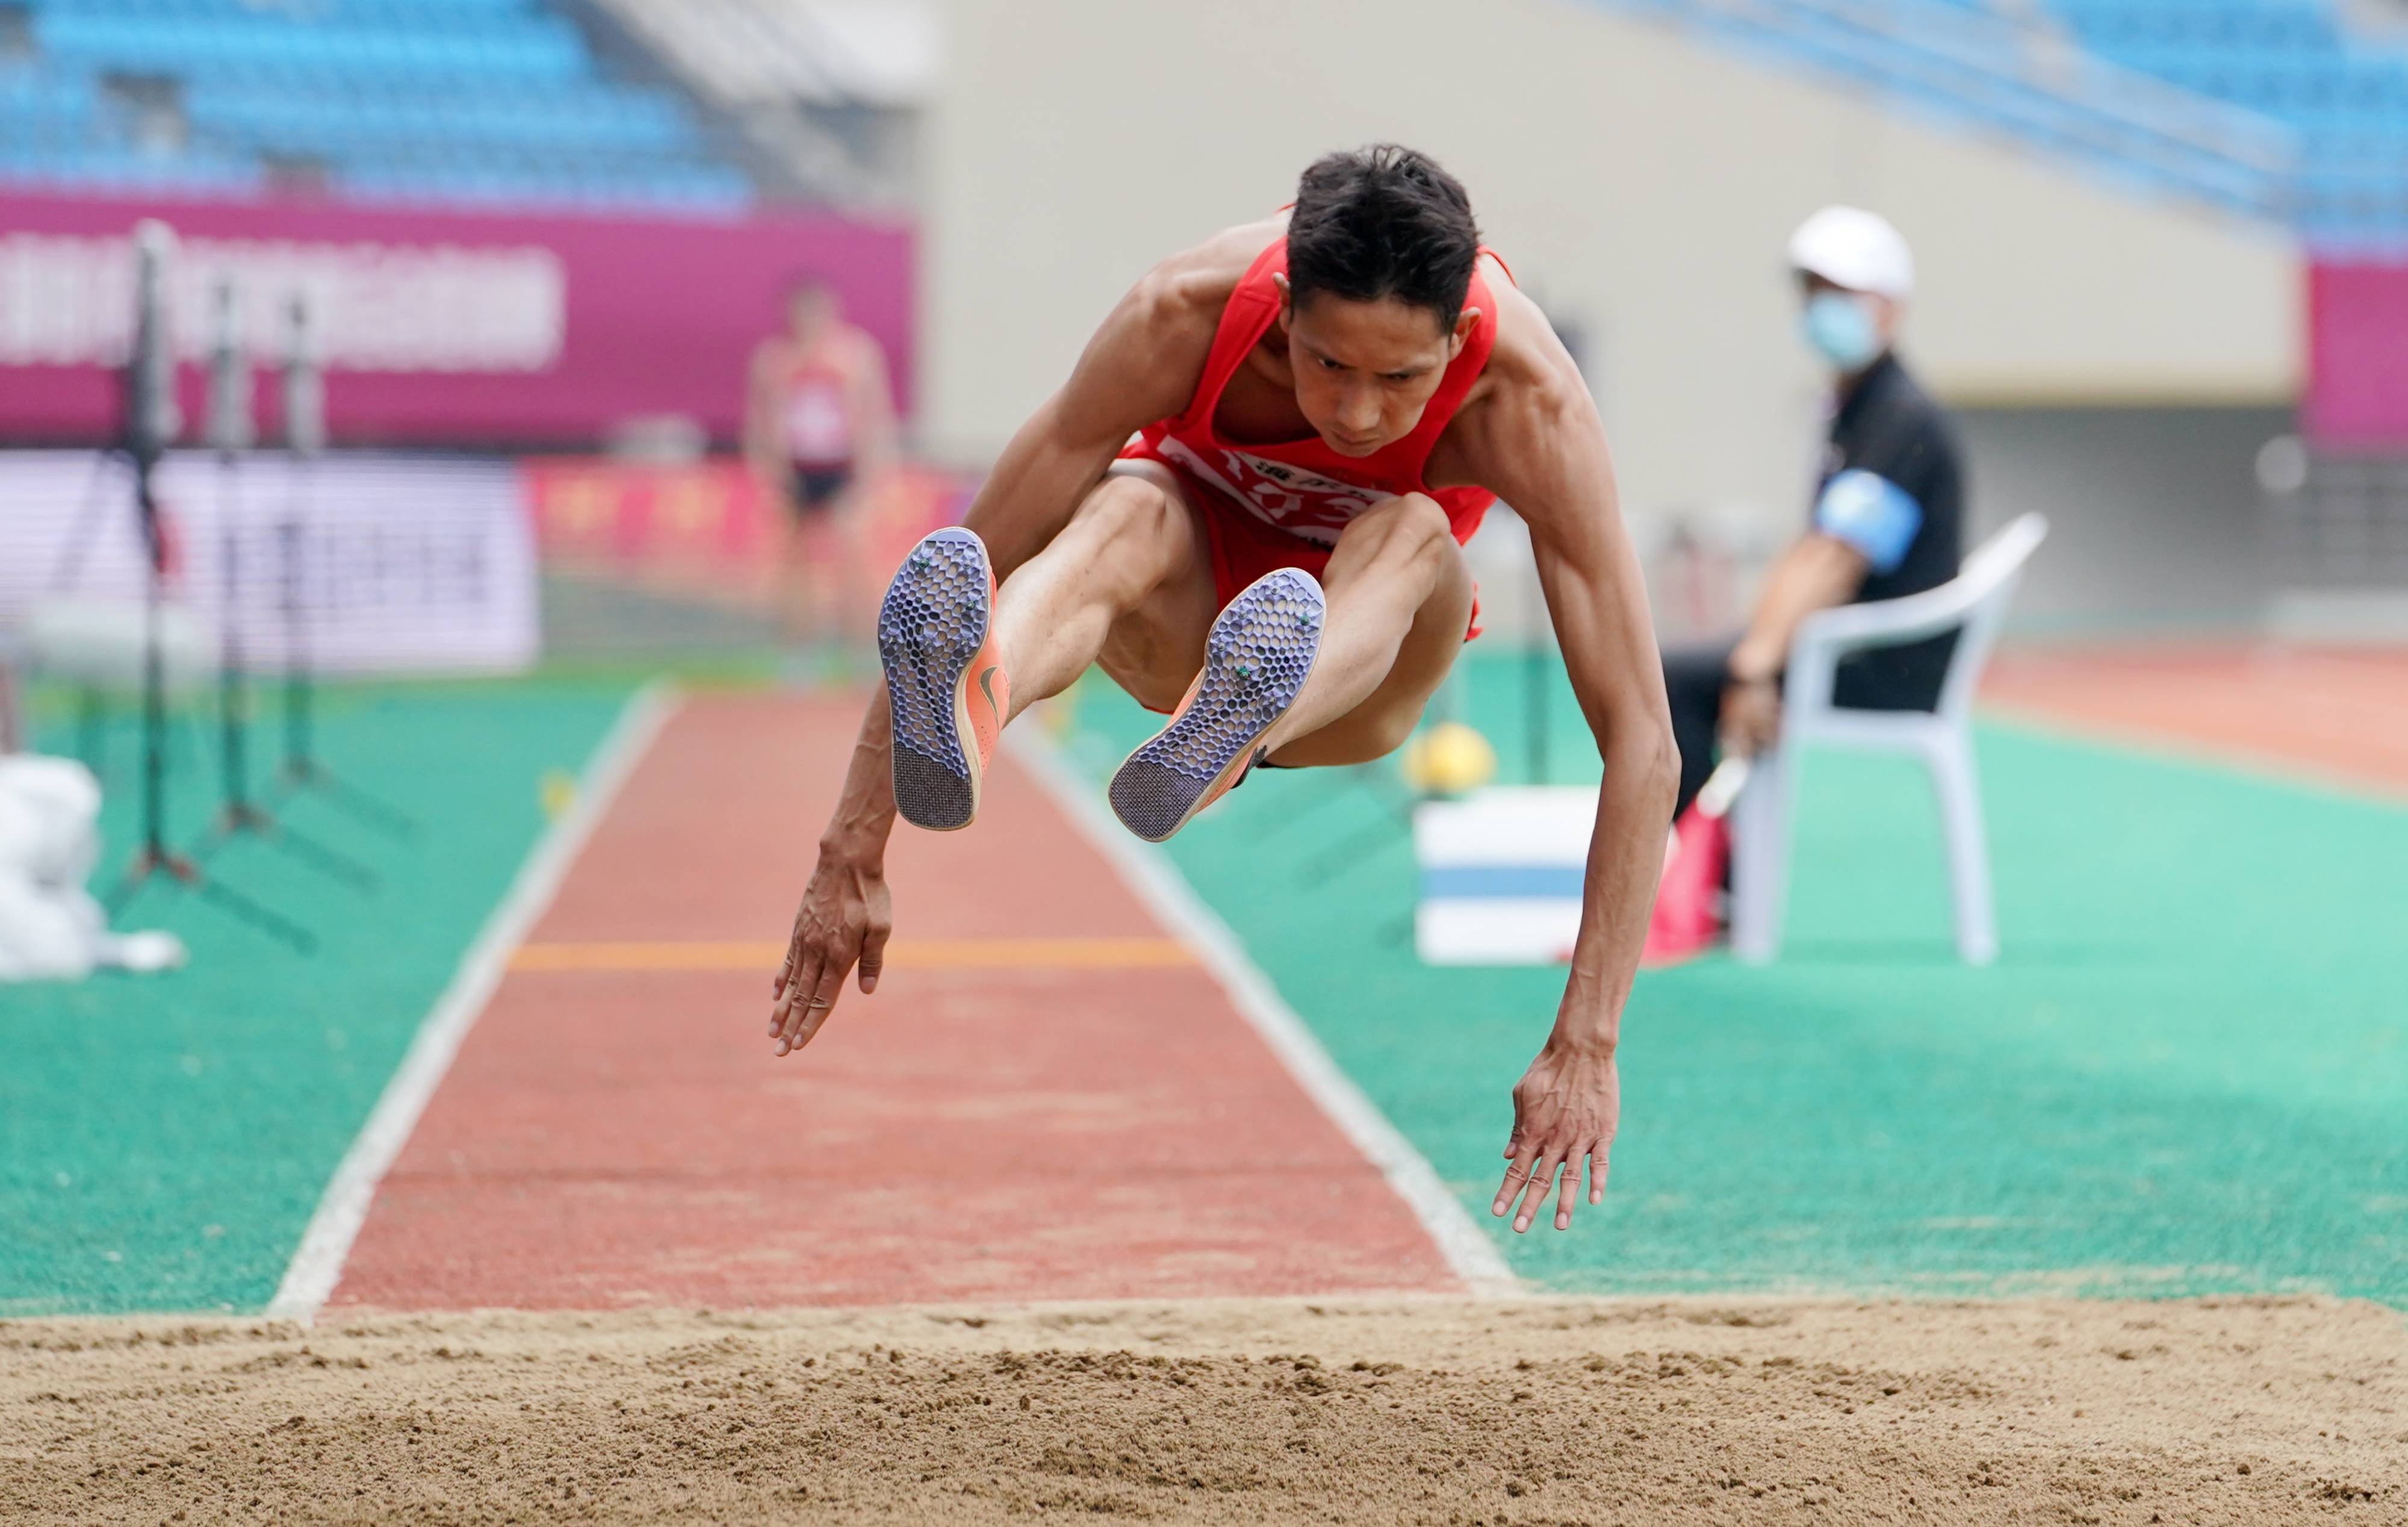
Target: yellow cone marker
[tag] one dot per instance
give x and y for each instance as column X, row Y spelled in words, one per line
column 557, row 791
column 1448, row 759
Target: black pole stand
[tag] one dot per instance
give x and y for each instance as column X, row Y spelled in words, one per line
column 230, row 432
column 240, row 812
column 150, row 425
column 305, row 437
column 301, row 767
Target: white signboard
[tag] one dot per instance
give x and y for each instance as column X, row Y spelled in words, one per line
column 389, row 564
column 1500, row 874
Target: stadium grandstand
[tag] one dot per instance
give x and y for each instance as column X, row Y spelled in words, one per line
column 491, row 102
column 2295, row 110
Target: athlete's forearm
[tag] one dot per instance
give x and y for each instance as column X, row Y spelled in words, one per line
column 1035, row 487
column 1626, row 856
column 864, row 817
column 1598, row 602
column 1601, row 612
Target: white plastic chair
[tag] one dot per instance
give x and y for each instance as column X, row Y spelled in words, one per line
column 1974, row 605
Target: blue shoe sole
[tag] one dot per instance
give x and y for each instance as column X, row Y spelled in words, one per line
column 1255, row 662
column 930, row 626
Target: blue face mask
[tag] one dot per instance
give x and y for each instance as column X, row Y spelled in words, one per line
column 1840, row 329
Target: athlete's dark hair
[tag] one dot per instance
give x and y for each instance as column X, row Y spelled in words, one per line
column 1383, row 221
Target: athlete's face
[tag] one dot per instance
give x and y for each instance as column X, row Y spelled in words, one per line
column 1364, row 370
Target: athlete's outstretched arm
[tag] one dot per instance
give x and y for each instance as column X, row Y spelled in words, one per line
column 1551, row 465
column 1141, row 366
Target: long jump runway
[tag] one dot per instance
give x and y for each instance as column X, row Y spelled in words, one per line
column 1048, row 1098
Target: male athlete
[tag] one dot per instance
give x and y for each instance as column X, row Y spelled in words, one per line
column 1247, row 505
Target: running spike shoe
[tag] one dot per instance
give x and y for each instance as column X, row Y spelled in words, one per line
column 1256, row 661
column 944, row 677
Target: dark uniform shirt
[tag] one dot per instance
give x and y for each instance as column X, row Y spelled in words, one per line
column 1889, row 427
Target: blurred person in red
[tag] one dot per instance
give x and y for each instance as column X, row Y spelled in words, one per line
column 819, row 434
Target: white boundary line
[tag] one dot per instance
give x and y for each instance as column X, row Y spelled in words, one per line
column 1468, row 1252
column 317, row 1263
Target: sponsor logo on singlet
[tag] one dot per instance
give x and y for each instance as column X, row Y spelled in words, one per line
column 1304, row 504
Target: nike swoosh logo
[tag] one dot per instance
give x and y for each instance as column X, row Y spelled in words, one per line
column 986, row 687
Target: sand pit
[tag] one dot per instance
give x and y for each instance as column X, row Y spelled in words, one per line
column 2229, row 1412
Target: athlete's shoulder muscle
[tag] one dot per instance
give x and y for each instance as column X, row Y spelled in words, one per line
column 1145, row 359
column 1530, row 424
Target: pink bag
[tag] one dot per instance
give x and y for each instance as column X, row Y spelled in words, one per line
column 1685, row 921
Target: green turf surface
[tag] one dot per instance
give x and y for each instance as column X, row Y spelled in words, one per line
column 163, row 1139
column 2188, row 1072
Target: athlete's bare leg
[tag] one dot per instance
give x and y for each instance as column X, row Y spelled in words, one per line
column 1127, row 585
column 817, row 576
column 1400, row 602
column 797, row 599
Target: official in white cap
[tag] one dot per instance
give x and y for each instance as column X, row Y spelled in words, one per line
column 1887, row 518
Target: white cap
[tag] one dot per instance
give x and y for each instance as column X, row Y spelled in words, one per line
column 1850, row 247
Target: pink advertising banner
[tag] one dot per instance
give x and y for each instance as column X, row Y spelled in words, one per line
column 438, row 326
column 2358, row 355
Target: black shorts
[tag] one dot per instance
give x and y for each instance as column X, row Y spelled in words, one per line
column 815, row 488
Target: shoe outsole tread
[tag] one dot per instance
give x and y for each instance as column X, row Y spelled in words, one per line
column 931, row 625
column 1256, row 661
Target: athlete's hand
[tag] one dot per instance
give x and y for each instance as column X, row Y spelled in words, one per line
column 845, row 917
column 1565, row 1111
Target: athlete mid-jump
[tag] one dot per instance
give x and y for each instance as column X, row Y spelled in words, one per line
column 1247, row 505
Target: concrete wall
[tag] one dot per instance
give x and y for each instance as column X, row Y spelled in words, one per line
column 1640, row 182
column 2155, row 518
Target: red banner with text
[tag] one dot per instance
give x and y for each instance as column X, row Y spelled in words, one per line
column 438, row 327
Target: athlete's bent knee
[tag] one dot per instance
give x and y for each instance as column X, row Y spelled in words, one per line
column 1409, row 520
column 1423, row 516
column 1407, row 532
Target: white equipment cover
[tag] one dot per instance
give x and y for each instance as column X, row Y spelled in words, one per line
column 1500, row 874
column 51, row 928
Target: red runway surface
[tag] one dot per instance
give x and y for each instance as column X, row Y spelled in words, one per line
column 2335, row 714
column 614, row 1137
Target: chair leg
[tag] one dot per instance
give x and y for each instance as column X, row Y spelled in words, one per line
column 1761, row 859
column 1958, row 788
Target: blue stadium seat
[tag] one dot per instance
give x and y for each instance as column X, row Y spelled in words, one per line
column 2307, row 84
column 2293, row 60
column 486, row 101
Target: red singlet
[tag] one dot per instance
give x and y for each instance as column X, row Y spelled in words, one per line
column 815, row 415
column 1282, row 505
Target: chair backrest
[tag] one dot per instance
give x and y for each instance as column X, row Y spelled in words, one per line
column 1989, row 578
column 1974, row 604
column 2003, row 555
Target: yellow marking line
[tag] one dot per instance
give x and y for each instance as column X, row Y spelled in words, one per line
column 1086, row 953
